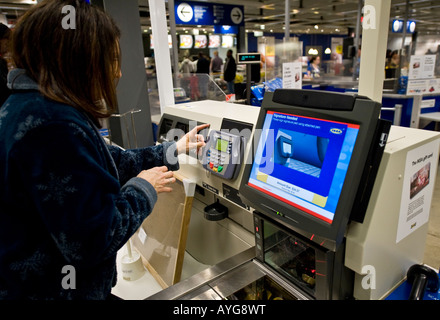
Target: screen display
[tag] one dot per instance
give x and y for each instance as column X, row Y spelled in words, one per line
column 201, row 41
column 227, row 41
column 214, row 41
column 170, row 42
column 303, row 161
column 222, row 145
column 249, row 57
column 186, row 41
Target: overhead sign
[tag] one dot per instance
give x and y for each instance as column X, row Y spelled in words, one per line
column 185, row 12
column 205, row 13
column 397, row 26
column 226, row 29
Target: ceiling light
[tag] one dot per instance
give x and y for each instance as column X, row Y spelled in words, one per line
column 313, row 52
column 316, row 27
column 268, row 6
column 328, row 51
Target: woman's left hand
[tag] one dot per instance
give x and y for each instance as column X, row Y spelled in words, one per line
column 192, row 140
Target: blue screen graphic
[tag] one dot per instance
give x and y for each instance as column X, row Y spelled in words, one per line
column 303, row 161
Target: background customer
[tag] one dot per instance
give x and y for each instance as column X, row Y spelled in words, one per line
column 230, row 70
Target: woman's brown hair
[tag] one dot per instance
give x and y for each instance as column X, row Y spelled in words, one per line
column 73, row 66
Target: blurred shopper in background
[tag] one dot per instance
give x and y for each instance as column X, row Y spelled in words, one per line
column 230, row 71
column 216, row 63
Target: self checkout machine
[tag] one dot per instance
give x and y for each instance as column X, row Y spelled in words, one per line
column 335, row 209
column 338, row 207
column 221, row 224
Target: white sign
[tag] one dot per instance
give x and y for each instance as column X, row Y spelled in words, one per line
column 142, row 235
column 433, row 86
column 292, row 75
column 416, row 87
column 185, row 12
column 429, row 103
column 418, row 187
column 422, row 67
column 236, row 15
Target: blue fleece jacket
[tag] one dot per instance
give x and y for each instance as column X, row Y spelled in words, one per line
column 66, row 198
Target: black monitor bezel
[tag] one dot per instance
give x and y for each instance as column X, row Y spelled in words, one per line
column 357, row 110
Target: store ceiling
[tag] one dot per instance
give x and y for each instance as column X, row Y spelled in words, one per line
column 331, row 16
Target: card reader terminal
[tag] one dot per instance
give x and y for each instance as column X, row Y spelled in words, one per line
column 223, row 154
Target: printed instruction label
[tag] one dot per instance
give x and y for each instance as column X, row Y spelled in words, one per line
column 142, row 235
column 292, row 75
column 418, row 187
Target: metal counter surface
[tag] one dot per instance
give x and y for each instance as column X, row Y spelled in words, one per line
column 200, row 279
column 226, row 278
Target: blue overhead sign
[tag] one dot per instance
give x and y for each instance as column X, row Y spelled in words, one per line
column 397, row 26
column 208, row 14
column 225, row 29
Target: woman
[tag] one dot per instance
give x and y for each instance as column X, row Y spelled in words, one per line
column 313, row 70
column 394, row 59
column 186, row 66
column 68, row 199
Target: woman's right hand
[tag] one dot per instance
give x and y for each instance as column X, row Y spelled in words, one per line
column 159, row 178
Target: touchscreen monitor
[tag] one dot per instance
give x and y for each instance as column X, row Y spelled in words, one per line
column 303, row 161
column 313, row 154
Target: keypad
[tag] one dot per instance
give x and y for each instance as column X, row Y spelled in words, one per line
column 218, row 160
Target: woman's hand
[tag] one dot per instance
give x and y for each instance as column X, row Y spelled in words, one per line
column 192, row 140
column 159, row 178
